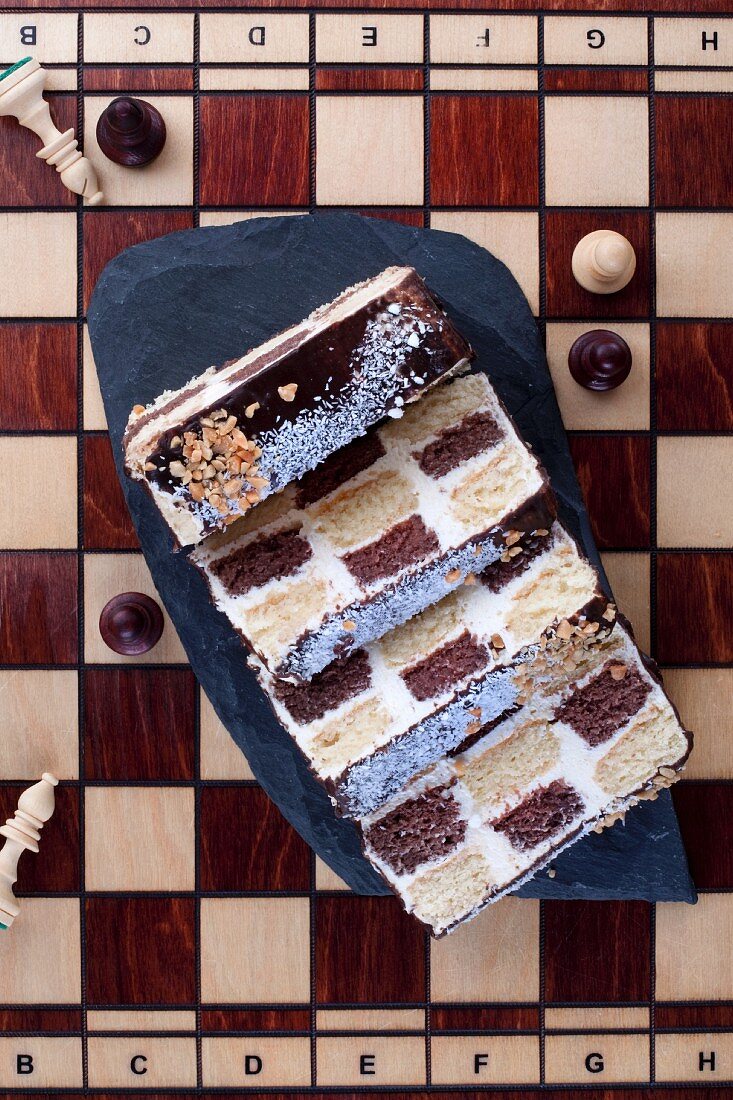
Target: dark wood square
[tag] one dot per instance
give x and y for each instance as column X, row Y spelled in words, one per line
column 614, row 471
column 705, row 812
column 25, row 180
column 140, row 951
column 694, row 376
column 693, row 138
column 246, row 843
column 254, row 150
column 38, row 595
column 107, row 523
column 56, row 866
column 694, row 608
column 109, row 232
column 139, row 724
column 566, row 297
column 484, row 150
column 597, row 951
column 367, row 950
column 43, row 357
column 129, row 79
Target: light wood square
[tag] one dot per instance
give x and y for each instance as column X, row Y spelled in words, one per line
column 139, row 838
column 372, row 38
column 461, row 39
column 370, row 1060
column 629, row 576
column 138, row 38
column 263, row 36
column 694, row 507
column 623, row 409
column 680, row 42
column 283, row 1062
column 168, row 180
column 596, row 40
column 254, row 79
column 229, row 217
column 678, row 1058
column 50, row 37
column 512, row 236
column 220, row 756
column 483, row 80
column 255, row 950
column 693, row 955
column 95, row 418
column 501, row 1060
column 597, row 151
column 38, row 276
column 326, row 879
column 50, row 525
column 141, row 1019
column 105, row 576
column 694, row 265
column 39, row 721
column 570, row 1058
column 690, row 80
column 493, row 958
column 370, row 1019
column 369, row 151
column 27, row 976
column 609, row 1018
column 159, row 1062
column 703, row 696
column 56, row 1061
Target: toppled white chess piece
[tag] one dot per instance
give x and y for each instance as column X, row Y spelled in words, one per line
column 21, row 95
column 604, row 261
column 23, row 831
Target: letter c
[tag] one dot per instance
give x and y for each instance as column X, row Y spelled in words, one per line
column 134, row 1064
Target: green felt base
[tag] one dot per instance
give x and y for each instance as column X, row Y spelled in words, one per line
column 7, row 72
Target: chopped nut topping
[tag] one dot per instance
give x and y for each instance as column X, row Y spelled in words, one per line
column 470, row 578
column 542, row 531
column 475, row 711
column 512, row 537
column 138, row 409
column 515, row 550
column 473, row 727
column 617, row 671
column 150, row 466
column 218, row 465
column 348, row 624
column 452, row 576
column 497, row 641
column 564, row 630
column 288, row 392
column 610, row 613
column 251, row 409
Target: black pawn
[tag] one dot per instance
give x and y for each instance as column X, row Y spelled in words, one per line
column 131, row 132
column 600, row 360
column 131, row 623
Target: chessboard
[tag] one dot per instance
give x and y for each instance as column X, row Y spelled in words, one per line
column 175, row 934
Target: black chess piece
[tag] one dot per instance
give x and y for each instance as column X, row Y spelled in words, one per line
column 131, row 623
column 600, row 360
column 131, row 132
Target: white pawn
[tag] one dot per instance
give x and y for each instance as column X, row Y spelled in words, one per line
column 21, row 95
column 35, row 806
column 603, row 261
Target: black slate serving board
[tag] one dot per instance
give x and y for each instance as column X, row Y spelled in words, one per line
column 166, row 310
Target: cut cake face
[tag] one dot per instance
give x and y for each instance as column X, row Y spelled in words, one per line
column 480, row 822
column 381, row 530
column 232, row 437
column 376, row 718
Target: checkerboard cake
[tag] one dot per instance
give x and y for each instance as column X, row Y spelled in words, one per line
column 231, row 437
column 575, row 758
column 378, row 532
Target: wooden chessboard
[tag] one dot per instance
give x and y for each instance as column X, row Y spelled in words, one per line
column 175, row 933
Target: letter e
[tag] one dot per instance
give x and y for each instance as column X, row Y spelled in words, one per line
column 366, row 1065
column 368, row 36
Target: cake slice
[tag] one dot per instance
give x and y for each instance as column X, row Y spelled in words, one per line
column 232, row 437
column 374, row 719
column 378, row 532
column 479, row 823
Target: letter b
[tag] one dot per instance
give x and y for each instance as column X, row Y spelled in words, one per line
column 24, row 1063
column 28, row 35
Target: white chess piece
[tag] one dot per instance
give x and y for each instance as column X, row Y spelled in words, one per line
column 603, row 261
column 23, row 831
column 21, row 95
